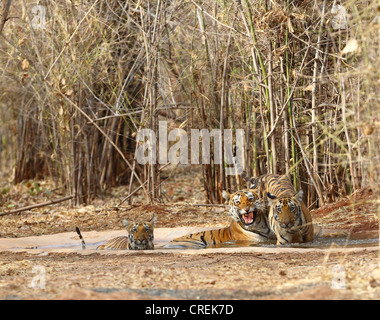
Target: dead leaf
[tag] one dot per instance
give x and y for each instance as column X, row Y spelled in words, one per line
column 351, row 46
column 368, row 129
column 25, row 64
column 308, row 88
column 290, row 27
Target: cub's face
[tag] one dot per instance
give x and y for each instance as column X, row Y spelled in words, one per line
column 140, row 234
column 245, row 206
column 285, row 210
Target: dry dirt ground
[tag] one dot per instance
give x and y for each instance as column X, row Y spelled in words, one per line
column 333, row 271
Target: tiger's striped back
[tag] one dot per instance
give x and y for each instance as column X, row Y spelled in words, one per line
column 204, row 238
column 118, row 243
column 275, row 184
column 278, row 185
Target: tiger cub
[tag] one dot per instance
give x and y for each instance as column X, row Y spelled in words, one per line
column 249, row 223
column 140, row 237
column 288, row 216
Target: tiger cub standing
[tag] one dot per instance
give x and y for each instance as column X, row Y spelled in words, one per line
column 249, row 223
column 140, row 237
column 288, row 216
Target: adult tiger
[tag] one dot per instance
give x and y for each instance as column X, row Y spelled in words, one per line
column 249, row 223
column 140, row 237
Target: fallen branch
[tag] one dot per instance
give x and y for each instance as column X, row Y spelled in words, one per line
column 37, row 205
column 131, row 194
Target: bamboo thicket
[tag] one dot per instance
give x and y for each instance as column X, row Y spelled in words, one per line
column 301, row 83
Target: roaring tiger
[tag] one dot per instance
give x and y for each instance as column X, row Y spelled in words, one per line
column 249, row 223
column 140, row 237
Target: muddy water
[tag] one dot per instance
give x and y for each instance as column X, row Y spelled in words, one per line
column 65, row 246
column 318, row 243
column 164, row 236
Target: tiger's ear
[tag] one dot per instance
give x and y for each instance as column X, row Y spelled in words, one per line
column 153, row 220
column 299, row 196
column 252, row 183
column 126, row 224
column 271, row 198
column 226, row 195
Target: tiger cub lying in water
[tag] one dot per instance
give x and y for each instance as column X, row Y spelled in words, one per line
column 140, row 237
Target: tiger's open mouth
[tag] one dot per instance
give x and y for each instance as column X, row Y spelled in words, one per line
column 248, row 218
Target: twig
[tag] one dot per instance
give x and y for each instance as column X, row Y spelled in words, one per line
column 131, row 194
column 208, row 205
column 39, row 205
column 4, row 16
column 141, row 186
column 216, row 20
column 299, row 142
column 124, row 208
column 68, row 41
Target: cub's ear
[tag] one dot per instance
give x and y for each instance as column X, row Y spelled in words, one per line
column 226, row 195
column 299, row 196
column 271, row 198
column 126, row 224
column 252, row 183
column 153, row 220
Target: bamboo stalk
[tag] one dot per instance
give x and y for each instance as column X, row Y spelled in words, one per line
column 314, row 98
column 224, row 106
column 272, row 110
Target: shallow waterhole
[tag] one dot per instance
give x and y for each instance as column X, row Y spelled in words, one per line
column 327, row 242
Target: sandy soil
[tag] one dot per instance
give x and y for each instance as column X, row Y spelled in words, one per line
column 330, row 272
column 307, row 274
